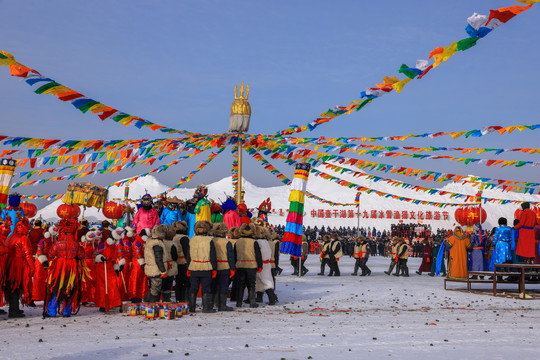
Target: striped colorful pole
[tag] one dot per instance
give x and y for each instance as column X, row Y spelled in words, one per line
column 292, row 239
column 7, row 168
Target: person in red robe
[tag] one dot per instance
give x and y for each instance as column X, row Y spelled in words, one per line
column 526, row 243
column 20, row 267
column 3, row 257
column 67, row 272
column 107, row 293
column 138, row 283
column 40, row 267
column 426, row 257
column 124, row 255
column 35, row 235
column 105, row 231
column 4, row 231
column 89, row 242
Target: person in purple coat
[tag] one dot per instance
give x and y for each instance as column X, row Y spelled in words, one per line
column 476, row 257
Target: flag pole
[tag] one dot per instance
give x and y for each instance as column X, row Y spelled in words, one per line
column 358, row 216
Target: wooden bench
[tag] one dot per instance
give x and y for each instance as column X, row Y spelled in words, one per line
column 491, row 277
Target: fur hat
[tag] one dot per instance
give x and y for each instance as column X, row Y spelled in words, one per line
column 247, row 230
column 170, row 232
column 180, row 227
column 220, row 230
column 268, row 233
column 202, row 227
column 159, row 232
column 234, row 232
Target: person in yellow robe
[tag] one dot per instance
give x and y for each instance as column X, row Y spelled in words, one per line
column 458, row 243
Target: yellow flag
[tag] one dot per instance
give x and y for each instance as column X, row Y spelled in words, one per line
column 400, row 84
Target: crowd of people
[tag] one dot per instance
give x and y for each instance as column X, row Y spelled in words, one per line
column 180, row 248
column 174, row 250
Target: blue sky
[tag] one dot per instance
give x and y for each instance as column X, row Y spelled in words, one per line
column 176, row 63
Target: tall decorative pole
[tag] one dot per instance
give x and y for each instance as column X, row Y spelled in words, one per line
column 357, row 202
column 292, row 239
column 479, row 203
column 239, row 123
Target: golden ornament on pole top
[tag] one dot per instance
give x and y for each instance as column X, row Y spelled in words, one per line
column 239, row 123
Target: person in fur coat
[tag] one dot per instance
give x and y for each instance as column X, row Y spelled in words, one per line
column 248, row 263
column 171, row 265
column 156, row 258
column 181, row 242
column 264, row 280
column 202, row 266
column 226, row 264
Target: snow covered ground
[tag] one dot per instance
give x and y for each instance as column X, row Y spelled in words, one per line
column 317, row 318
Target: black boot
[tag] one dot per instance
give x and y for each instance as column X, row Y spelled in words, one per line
column 390, row 268
column 272, row 297
column 259, row 297
column 322, row 269
column 222, row 298
column 397, row 270
column 215, row 300
column 304, row 271
column 239, row 296
column 295, row 272
column 208, row 303
column 278, row 270
column 14, row 310
column 355, row 272
column 166, row 296
column 405, row 270
column 252, row 298
column 192, row 302
column 431, row 274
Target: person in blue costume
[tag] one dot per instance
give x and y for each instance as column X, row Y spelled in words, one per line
column 476, row 259
column 502, row 240
column 191, row 218
column 513, row 245
column 170, row 213
column 13, row 211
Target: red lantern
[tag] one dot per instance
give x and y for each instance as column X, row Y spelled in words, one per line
column 113, row 210
column 66, row 211
column 30, row 210
column 470, row 215
column 459, row 216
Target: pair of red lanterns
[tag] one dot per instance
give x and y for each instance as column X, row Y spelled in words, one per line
column 111, row 210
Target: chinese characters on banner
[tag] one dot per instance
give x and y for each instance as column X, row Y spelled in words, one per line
column 373, row 214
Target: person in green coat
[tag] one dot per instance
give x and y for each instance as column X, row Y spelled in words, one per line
column 217, row 213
